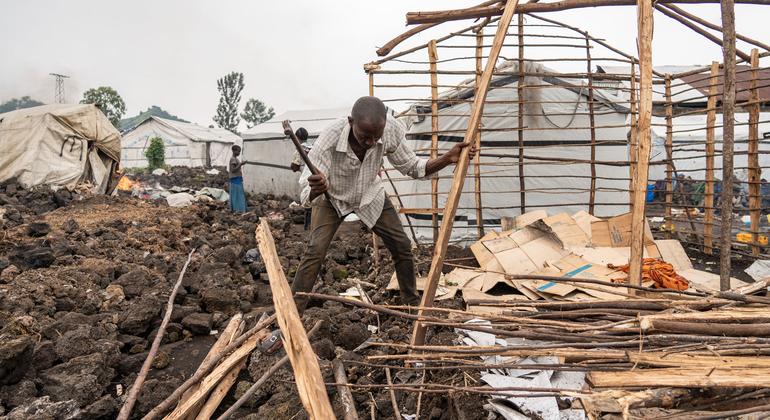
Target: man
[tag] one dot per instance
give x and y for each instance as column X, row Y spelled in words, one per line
column 349, row 155
column 237, row 195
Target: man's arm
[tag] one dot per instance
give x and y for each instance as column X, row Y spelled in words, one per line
column 450, row 157
column 406, row 161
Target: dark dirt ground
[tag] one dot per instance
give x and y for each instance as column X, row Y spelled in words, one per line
column 83, row 280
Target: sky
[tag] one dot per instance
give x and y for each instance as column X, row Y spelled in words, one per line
column 294, row 54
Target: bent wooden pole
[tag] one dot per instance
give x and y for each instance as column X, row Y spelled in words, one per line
column 418, row 335
column 639, row 190
column 307, row 372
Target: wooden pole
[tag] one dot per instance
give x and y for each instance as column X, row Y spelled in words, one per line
column 433, row 57
column 669, row 157
column 520, row 131
column 728, row 136
column 634, row 144
column 133, row 393
column 755, row 173
column 711, row 116
column 375, row 244
column 437, row 264
column 307, row 372
column 644, row 24
column 346, row 397
column 477, row 158
column 592, row 122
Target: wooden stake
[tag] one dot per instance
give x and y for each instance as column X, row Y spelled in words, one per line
column 477, row 158
column 591, row 119
column 393, row 402
column 433, row 57
column 634, row 144
column 133, row 393
column 728, row 136
column 346, row 397
column 520, row 131
column 375, row 247
column 669, row 157
column 644, row 23
column 755, row 173
column 418, row 335
column 307, row 372
column 711, row 116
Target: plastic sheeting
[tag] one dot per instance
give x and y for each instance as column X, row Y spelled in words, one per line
column 60, row 145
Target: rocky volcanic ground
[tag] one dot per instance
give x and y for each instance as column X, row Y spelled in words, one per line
column 84, row 280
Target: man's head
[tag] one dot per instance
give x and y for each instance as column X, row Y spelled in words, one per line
column 367, row 120
column 301, row 134
column 236, row 150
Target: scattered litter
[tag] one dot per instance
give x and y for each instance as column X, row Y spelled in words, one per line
column 159, row 172
column 213, row 171
column 372, row 329
column 251, row 256
column 215, row 193
column 213, row 332
column 180, row 199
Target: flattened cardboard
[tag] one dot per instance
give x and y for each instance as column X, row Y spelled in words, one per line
column 499, row 245
column 584, row 220
column 616, row 232
column 704, row 280
column 565, row 229
column 515, row 261
column 482, row 254
column 470, row 294
column 543, row 250
column 525, row 235
column 528, row 218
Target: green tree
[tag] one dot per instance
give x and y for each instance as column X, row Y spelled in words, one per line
column 153, row 111
column 108, row 101
column 19, row 103
column 256, row 112
column 156, row 153
column 230, row 88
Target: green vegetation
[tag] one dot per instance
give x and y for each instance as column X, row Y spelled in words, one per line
column 153, row 111
column 156, row 154
column 19, row 103
column 108, row 101
column 230, row 88
column 256, row 112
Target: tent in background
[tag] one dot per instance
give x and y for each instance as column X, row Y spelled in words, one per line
column 187, row 144
column 556, row 118
column 269, row 152
column 60, row 145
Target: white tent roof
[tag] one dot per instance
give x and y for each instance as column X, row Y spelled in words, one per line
column 314, row 120
column 196, row 132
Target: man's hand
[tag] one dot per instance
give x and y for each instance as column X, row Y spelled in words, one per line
column 318, row 185
column 454, row 153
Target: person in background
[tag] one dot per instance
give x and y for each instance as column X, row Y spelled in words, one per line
column 237, row 195
column 297, row 164
column 764, row 192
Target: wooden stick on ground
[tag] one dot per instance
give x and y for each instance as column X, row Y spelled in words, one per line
column 644, row 26
column 393, row 401
column 205, row 369
column 307, row 372
column 346, row 397
column 418, row 336
column 133, row 394
column 265, row 376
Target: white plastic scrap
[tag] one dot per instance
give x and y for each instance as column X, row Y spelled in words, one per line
column 759, row 270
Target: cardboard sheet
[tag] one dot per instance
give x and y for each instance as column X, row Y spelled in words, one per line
column 584, row 220
column 515, row 261
column 528, row 218
column 672, row 252
column 565, row 229
column 616, row 232
column 499, row 245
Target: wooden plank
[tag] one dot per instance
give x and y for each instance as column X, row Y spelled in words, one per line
column 592, row 123
column 218, row 394
column 437, row 263
column 225, row 338
column 433, row 57
column 307, row 372
column 755, row 199
column 477, row 158
column 633, row 142
column 639, row 191
column 714, row 377
column 520, row 132
column 669, row 159
column 661, row 359
column 728, row 137
column 711, row 116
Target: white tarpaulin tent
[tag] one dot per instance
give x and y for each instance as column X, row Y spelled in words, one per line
column 187, row 144
column 269, row 152
column 557, row 127
column 59, row 145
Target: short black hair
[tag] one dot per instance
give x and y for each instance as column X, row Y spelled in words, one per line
column 235, row 146
column 301, row 133
column 369, row 108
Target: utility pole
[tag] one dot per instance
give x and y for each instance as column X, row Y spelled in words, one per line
column 58, row 96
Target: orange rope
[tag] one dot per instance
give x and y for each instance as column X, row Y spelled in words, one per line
column 659, row 271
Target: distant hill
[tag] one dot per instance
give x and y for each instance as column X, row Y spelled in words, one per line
column 153, row 111
column 19, row 103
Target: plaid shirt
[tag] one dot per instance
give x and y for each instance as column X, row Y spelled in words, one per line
column 355, row 186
